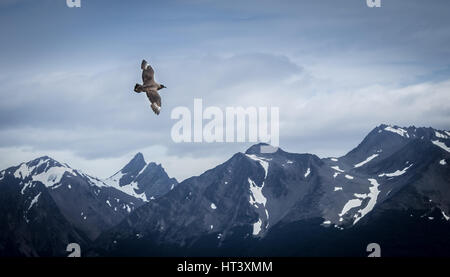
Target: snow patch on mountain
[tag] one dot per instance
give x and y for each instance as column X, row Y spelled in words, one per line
column 352, row 203
column 257, row 227
column 264, row 162
column 129, row 189
column 396, row 173
column 337, row 168
column 256, row 199
column 441, row 145
column 256, row 196
column 398, row 131
column 213, row 206
column 366, row 160
column 361, row 195
column 349, row 177
column 442, row 162
column 25, row 170
column 34, row 201
column 373, row 195
column 53, row 175
column 25, row 186
column 445, row 216
column 142, row 170
column 337, row 188
column 94, row 181
column 440, row 135
column 357, row 202
column 308, row 171
column 50, row 176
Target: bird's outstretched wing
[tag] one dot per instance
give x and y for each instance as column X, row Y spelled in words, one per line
column 155, row 99
column 148, row 74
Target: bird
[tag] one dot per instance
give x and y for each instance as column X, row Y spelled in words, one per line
column 150, row 87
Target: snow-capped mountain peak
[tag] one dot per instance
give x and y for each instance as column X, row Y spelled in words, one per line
column 44, row 169
column 45, row 186
column 142, row 180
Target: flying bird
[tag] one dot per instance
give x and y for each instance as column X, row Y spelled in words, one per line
column 150, row 86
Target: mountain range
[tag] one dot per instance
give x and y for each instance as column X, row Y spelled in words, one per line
column 392, row 189
column 47, row 205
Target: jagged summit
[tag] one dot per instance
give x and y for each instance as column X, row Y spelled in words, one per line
column 412, row 132
column 135, row 164
column 43, row 158
column 143, row 180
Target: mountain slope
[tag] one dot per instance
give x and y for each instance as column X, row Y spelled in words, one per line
column 255, row 198
column 31, row 224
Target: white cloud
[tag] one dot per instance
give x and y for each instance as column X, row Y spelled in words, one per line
column 94, row 120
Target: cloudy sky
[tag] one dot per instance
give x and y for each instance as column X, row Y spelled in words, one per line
column 335, row 69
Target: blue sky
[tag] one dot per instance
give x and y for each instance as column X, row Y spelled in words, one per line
column 336, row 69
